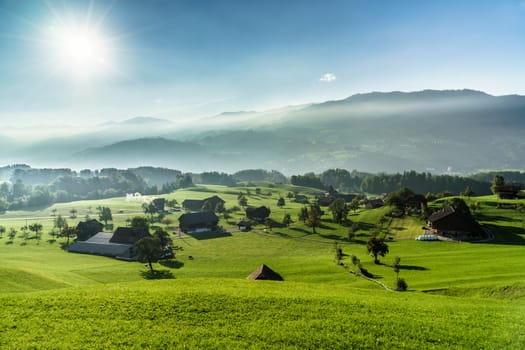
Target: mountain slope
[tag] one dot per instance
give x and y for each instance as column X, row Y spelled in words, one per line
column 463, row 130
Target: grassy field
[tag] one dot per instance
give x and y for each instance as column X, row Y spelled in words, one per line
column 461, row 295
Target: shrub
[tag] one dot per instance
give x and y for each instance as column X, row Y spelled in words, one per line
column 401, row 285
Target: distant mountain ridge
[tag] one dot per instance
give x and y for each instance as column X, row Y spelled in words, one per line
column 429, row 130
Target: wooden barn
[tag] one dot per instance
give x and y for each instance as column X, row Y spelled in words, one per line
column 118, row 245
column 449, row 223
column 205, row 221
column 258, row 214
column 197, row 204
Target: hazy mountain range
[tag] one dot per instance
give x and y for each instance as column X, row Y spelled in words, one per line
column 431, row 130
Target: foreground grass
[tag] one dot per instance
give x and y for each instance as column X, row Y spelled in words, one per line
column 461, row 295
column 218, row 313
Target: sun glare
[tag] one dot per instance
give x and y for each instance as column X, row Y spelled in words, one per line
column 82, row 52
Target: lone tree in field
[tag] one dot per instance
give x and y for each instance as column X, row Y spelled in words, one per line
column 243, row 201
column 69, row 232
column 287, row 220
column 281, row 202
column 73, row 213
column 376, row 246
column 59, row 222
column 104, row 214
column 12, row 234
column 396, row 266
column 339, row 210
column 314, row 217
column 36, row 228
column 303, row 215
column 2, row 231
column 148, row 249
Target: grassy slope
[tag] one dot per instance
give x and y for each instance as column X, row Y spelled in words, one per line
column 70, row 300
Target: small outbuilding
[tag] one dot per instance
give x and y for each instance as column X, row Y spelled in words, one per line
column 258, row 214
column 263, row 272
column 244, row 225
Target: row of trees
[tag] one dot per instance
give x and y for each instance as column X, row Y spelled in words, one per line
column 354, row 181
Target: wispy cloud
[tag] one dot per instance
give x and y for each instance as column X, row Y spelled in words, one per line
column 328, row 77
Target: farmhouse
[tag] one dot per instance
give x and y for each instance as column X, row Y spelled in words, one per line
column 198, row 222
column 451, row 224
column 87, row 229
column 375, row 203
column 263, row 272
column 197, row 204
column 258, row 214
column 118, row 245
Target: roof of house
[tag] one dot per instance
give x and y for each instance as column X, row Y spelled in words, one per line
column 197, row 204
column 89, row 224
column 214, row 198
column 129, row 235
column 192, row 204
column 100, row 244
column 263, row 272
column 440, row 214
column 448, row 219
column 204, row 217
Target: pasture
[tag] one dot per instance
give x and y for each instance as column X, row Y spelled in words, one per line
column 461, row 295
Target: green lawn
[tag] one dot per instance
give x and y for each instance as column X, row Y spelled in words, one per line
column 461, row 295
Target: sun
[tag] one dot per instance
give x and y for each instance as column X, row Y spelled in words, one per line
column 80, row 51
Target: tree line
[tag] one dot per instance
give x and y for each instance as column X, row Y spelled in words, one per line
column 345, row 181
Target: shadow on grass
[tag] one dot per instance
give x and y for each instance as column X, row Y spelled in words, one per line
column 298, row 229
column 333, row 237
column 64, row 246
column 412, row 268
column 325, row 227
column 506, row 235
column 51, row 241
column 172, row 264
column 209, row 235
column 484, row 217
column 157, row 274
column 357, row 241
column 9, row 242
column 398, row 228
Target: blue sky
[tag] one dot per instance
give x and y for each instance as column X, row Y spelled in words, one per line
column 183, row 59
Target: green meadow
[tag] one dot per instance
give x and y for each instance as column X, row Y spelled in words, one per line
column 460, row 295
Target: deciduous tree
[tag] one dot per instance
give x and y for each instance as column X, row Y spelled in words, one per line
column 377, row 247
column 339, row 210
column 104, row 214
column 148, row 249
column 314, row 218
